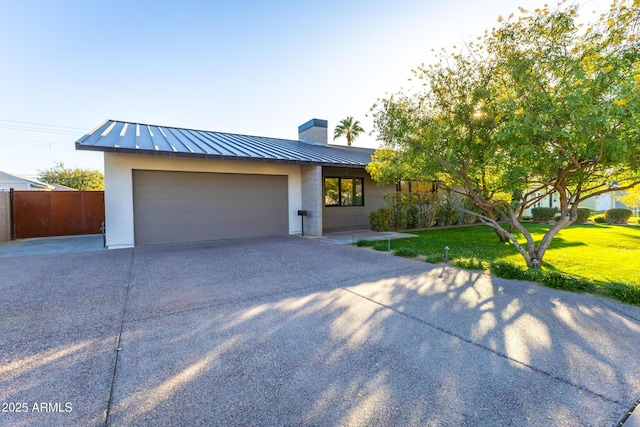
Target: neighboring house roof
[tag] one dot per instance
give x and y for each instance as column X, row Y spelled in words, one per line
column 14, row 180
column 138, row 138
column 59, row 187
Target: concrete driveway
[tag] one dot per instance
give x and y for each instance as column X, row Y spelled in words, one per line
column 295, row 331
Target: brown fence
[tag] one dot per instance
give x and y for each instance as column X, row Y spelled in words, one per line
column 56, row 213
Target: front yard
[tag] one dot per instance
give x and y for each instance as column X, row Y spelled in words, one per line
column 599, row 258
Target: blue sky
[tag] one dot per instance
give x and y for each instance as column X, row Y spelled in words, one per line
column 250, row 67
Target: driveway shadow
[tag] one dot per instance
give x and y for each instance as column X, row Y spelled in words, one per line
column 314, row 334
column 290, row 331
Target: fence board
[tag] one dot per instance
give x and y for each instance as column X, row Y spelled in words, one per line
column 57, row 213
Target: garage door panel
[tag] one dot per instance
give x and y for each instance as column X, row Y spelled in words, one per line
column 203, row 193
column 190, row 206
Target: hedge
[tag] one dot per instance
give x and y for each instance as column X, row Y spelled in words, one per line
column 543, row 214
column 617, row 216
column 583, row 215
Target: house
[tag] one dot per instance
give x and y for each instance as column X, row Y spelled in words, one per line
column 21, row 182
column 166, row 184
column 603, row 202
column 599, row 203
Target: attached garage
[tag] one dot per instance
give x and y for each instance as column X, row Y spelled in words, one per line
column 174, row 206
column 167, row 184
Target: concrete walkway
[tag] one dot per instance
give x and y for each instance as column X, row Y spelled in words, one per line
column 94, row 242
column 352, row 237
column 293, row 331
column 51, row 245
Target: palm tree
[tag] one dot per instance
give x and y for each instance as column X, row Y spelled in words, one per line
column 349, row 128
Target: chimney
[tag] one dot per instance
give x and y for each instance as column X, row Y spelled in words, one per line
column 313, row 132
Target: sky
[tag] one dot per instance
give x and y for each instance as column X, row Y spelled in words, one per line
column 248, row 67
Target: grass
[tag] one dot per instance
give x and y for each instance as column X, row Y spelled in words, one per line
column 597, row 258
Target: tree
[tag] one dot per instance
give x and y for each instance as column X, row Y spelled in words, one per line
column 348, row 127
column 80, row 179
column 537, row 106
column 631, row 198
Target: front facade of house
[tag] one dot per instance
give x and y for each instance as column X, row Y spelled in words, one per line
column 165, row 185
column 599, row 203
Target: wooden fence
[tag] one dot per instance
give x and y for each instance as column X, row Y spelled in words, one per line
column 56, row 213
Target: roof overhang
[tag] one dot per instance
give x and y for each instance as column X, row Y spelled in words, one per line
column 150, row 140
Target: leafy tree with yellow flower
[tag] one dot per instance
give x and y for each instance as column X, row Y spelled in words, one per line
column 538, row 105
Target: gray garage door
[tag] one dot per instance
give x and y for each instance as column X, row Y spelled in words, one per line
column 190, row 206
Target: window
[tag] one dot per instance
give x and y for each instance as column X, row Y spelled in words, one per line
column 344, row 191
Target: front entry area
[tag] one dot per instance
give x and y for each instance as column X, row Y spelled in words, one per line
column 172, row 207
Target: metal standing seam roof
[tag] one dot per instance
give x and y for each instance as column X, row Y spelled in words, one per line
column 138, row 138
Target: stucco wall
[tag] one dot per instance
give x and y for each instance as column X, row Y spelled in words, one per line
column 5, row 216
column 119, row 187
column 337, row 218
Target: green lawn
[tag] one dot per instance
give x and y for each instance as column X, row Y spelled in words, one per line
column 600, row 253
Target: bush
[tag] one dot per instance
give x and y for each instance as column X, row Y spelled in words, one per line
column 565, row 282
column 412, row 215
column 381, row 245
column 543, row 214
column 617, row 216
column 447, row 215
column 434, row 258
column 507, row 270
column 599, row 219
column 583, row 215
column 406, row 252
column 380, row 220
column 623, row 292
column 470, row 263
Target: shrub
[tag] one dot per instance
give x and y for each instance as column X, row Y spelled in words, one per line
column 469, row 219
column 434, row 258
column 556, row 280
column 381, row 245
column 406, row 252
column 583, row 215
column 624, row 292
column 470, row 263
column 365, row 243
column 507, row 270
column 617, row 216
column 543, row 214
column 447, row 215
column 599, row 219
column 411, row 215
column 380, row 219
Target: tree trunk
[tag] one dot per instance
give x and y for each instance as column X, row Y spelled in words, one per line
column 502, row 236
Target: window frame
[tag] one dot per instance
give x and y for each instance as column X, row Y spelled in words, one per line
column 354, row 185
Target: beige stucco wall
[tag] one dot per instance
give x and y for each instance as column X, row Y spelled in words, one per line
column 336, row 218
column 5, row 216
column 119, row 187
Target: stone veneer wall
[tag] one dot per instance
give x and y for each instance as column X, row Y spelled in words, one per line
column 312, row 199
